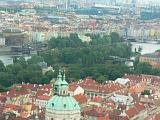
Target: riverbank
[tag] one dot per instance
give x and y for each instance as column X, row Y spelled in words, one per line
column 7, row 56
column 146, row 47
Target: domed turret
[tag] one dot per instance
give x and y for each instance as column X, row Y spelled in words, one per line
column 61, row 86
column 58, row 83
column 62, row 106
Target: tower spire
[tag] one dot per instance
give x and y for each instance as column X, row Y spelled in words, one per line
column 59, row 75
column 36, row 116
column 64, row 75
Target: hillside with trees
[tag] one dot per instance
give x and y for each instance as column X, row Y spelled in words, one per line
column 80, row 59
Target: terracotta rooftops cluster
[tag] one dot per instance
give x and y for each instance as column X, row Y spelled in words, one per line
column 91, row 85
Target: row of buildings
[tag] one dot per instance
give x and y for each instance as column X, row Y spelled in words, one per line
column 41, row 27
column 133, row 97
column 153, row 59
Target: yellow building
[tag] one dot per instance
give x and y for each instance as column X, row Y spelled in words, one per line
column 153, row 59
column 18, row 96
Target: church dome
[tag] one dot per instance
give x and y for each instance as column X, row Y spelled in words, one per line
column 62, row 106
column 66, row 103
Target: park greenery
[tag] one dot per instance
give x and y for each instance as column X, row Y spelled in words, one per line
column 146, row 92
column 80, row 59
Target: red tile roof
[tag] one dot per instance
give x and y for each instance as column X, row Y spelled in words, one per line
column 44, row 97
column 3, row 99
column 131, row 112
column 34, row 107
column 36, row 87
column 81, row 98
column 97, row 99
column 157, row 117
column 12, row 107
column 95, row 111
column 42, row 92
column 104, row 118
column 72, row 88
column 142, row 78
column 138, row 88
column 24, row 114
column 92, row 85
column 15, row 92
column 139, row 106
column 110, row 104
column 124, row 118
column 114, row 114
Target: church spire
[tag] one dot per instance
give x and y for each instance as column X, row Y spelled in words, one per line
column 59, row 75
column 61, row 86
column 64, row 76
column 36, row 116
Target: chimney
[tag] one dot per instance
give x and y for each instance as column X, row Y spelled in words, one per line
column 146, row 96
column 151, row 91
column 127, row 107
column 129, row 94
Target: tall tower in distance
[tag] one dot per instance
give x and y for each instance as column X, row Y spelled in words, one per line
column 113, row 2
column 67, row 4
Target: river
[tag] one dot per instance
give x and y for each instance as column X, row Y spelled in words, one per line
column 146, row 47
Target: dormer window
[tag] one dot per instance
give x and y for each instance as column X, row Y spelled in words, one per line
column 52, row 104
column 65, row 105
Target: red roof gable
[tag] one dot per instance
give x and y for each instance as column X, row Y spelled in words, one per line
column 14, row 92
column 131, row 112
column 139, row 106
column 92, row 85
column 95, row 111
column 97, row 99
column 44, row 97
column 72, row 88
column 81, row 98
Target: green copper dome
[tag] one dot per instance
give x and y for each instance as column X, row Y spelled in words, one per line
column 63, row 103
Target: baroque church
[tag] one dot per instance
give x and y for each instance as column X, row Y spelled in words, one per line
column 62, row 106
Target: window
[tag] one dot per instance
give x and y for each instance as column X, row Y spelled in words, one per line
column 65, row 105
column 52, row 104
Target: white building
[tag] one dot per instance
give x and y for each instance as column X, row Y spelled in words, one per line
column 2, row 41
column 122, row 99
column 122, row 81
column 75, row 90
column 42, row 101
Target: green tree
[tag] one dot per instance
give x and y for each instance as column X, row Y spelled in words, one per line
column 143, row 68
column 101, row 79
column 115, row 37
column 35, row 59
column 6, row 79
column 146, row 92
column 2, row 67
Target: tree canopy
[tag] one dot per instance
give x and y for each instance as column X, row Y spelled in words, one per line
column 80, row 60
